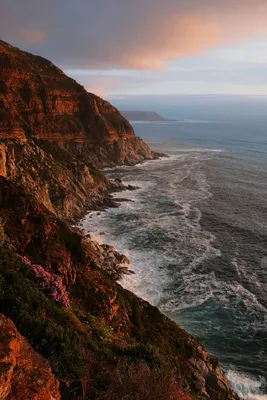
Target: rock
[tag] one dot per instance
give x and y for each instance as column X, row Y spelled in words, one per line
column 215, row 383
column 202, row 368
column 131, row 187
column 199, row 383
column 24, row 374
column 193, row 361
column 123, row 259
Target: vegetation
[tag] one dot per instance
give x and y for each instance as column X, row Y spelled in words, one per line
column 74, row 340
column 41, row 319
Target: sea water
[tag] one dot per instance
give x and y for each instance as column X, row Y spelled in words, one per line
column 196, row 234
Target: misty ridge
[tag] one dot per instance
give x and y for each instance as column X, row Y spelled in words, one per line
column 220, row 108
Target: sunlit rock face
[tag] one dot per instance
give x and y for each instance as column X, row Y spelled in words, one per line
column 38, row 99
column 24, row 373
column 54, row 135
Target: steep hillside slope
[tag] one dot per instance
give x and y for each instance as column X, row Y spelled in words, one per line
column 102, row 341
column 57, row 285
column 54, row 135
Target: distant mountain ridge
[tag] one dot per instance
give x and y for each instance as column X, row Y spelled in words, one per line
column 132, row 115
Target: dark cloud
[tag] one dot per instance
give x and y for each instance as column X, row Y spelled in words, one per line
column 137, row 34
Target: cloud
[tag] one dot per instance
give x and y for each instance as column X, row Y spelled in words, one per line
column 31, row 36
column 139, row 34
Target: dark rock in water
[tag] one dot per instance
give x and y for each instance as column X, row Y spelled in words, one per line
column 131, row 187
column 122, row 200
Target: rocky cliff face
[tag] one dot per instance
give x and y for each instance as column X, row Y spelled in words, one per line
column 38, row 99
column 24, row 373
column 54, row 135
column 57, row 285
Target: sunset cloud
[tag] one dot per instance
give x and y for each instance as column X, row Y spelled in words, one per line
column 139, row 34
column 31, row 36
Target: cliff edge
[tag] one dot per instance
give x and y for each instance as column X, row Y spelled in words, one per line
column 58, row 286
column 54, row 135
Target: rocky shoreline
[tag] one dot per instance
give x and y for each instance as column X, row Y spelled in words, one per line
column 94, row 339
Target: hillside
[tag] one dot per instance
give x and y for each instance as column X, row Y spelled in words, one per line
column 148, row 116
column 72, row 322
column 54, row 135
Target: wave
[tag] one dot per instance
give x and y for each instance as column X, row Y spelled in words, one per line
column 247, row 386
column 180, row 266
column 155, row 230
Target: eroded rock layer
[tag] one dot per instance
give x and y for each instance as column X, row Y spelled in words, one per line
column 54, row 135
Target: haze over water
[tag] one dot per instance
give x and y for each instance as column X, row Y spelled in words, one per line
column 196, row 230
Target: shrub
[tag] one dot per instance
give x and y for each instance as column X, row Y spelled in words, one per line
column 49, row 282
column 140, row 382
column 47, row 326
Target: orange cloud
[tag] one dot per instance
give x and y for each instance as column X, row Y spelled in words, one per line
column 139, row 34
column 189, row 34
column 32, row 36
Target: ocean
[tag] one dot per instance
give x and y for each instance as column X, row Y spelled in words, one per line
column 196, row 234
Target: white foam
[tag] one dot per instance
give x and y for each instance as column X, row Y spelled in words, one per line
column 247, row 386
column 150, row 280
column 181, row 180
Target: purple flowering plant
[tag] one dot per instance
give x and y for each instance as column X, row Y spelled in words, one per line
column 49, row 282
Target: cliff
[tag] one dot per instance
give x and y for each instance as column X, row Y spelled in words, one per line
column 54, row 135
column 59, row 287
column 38, row 99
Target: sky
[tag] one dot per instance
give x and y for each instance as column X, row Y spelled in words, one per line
column 136, row 47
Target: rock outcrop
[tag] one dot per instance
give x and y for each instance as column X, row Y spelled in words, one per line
column 54, row 135
column 24, row 374
column 38, row 100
